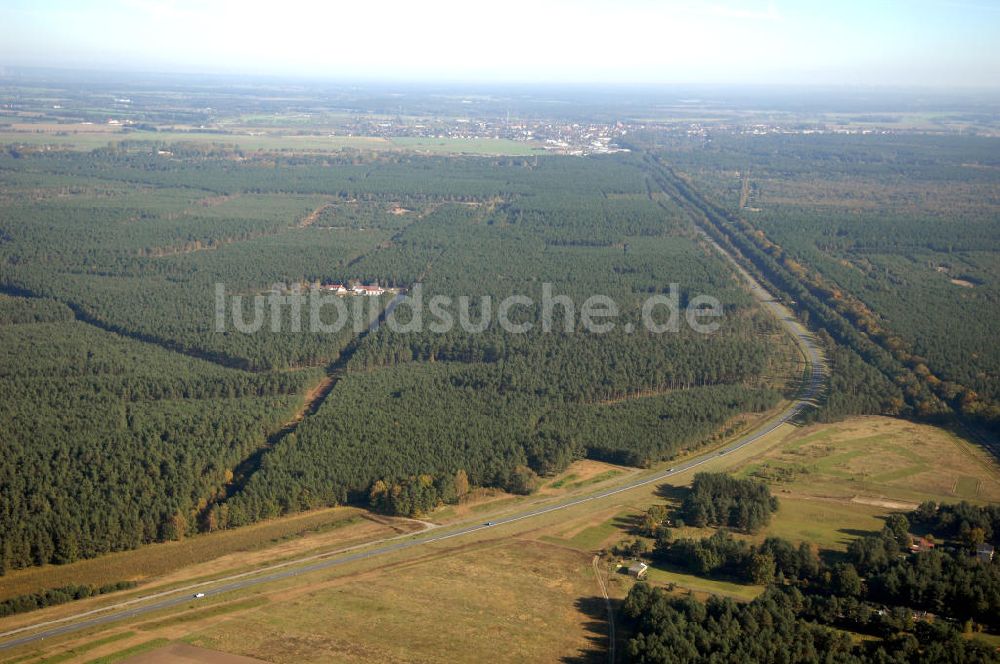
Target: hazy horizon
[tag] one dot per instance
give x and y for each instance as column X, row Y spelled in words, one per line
column 921, row 44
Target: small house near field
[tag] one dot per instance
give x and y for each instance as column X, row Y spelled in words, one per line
column 638, row 569
column 921, row 544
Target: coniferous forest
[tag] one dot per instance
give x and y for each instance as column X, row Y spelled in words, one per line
column 889, row 244
column 129, row 418
column 658, row 332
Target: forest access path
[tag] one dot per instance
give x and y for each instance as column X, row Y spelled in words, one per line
column 808, row 391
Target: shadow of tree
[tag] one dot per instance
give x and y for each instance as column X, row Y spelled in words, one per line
column 857, row 532
column 671, row 492
column 832, row 557
column 597, row 627
column 630, row 523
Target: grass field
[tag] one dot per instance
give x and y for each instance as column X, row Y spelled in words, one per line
column 700, row 585
column 597, row 479
column 203, row 614
column 86, row 648
column 594, row 537
column 830, row 525
column 584, row 472
column 592, row 532
column 79, row 137
column 562, row 481
column 179, row 652
column 517, row 601
column 129, row 652
column 879, row 459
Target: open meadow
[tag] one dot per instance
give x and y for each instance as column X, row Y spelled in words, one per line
column 881, row 462
column 515, row 601
column 511, row 600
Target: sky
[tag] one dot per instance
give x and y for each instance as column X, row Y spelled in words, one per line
column 933, row 43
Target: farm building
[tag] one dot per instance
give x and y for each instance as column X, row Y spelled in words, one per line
column 339, row 289
column 638, row 569
column 358, row 289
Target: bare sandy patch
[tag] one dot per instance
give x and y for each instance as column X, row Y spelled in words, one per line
column 582, row 471
column 182, row 653
column 888, row 504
